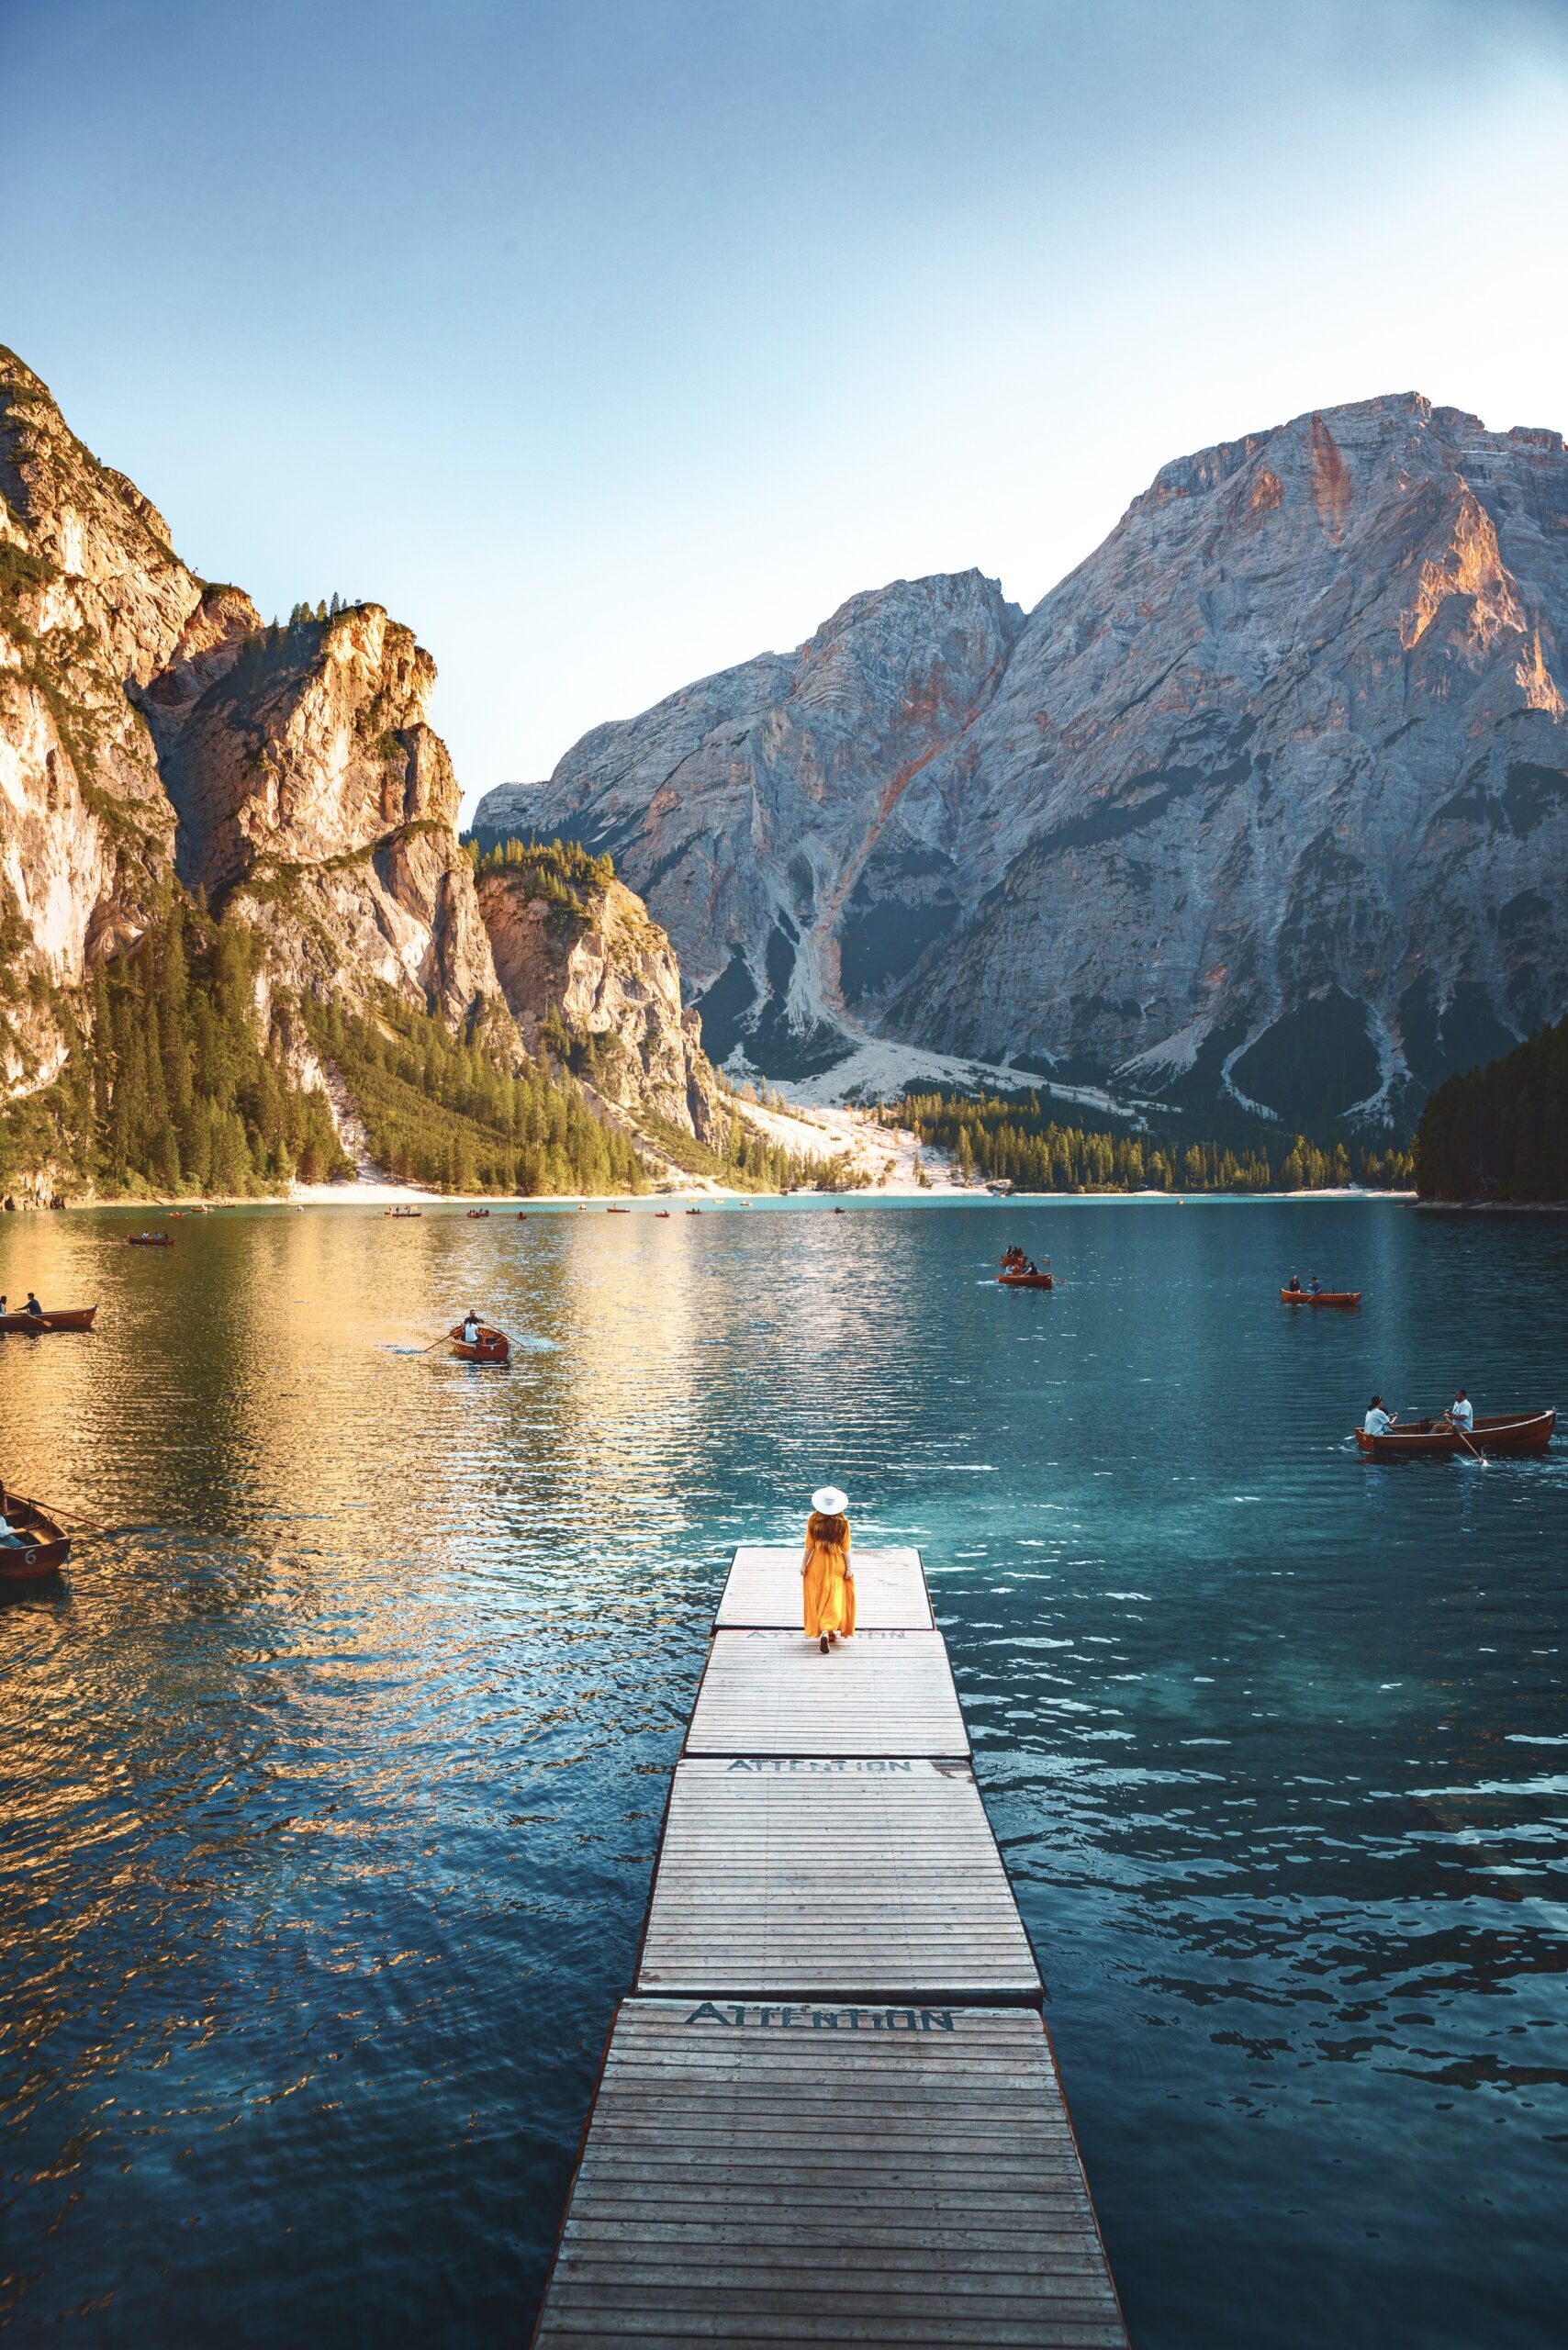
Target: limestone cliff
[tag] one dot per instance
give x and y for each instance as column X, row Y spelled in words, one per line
column 1266, row 801
column 152, row 726
column 149, row 723
column 309, row 785
column 584, row 969
column 93, row 601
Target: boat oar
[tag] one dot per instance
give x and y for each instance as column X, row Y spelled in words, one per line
column 1470, row 1448
column 53, row 1509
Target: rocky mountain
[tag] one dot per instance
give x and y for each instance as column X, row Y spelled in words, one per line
column 151, row 726
column 1265, row 804
column 583, row 965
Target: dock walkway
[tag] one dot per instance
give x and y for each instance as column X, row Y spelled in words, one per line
column 829, row 2111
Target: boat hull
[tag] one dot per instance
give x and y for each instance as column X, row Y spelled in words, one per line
column 147, row 1240
column 1346, row 1297
column 1025, row 1280
column 493, row 1346
column 64, row 1317
column 46, row 1548
column 1503, row 1433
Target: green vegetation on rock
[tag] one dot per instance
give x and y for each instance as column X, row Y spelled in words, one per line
column 449, row 1111
column 1500, row 1133
column 170, row 1085
column 1017, row 1140
column 559, row 871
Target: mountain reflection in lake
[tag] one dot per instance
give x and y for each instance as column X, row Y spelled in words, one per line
column 332, row 1790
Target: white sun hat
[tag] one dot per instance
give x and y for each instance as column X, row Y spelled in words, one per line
column 830, row 1501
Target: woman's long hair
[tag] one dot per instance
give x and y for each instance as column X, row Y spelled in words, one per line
column 831, row 1531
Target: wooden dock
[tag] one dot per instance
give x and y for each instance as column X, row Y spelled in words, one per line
column 829, row 2111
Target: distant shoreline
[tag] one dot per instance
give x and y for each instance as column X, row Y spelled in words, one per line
column 389, row 1195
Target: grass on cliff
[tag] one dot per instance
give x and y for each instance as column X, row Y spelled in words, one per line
column 561, row 872
column 450, row 1111
column 169, row 1087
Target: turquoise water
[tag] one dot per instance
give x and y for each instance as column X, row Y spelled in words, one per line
column 330, row 1792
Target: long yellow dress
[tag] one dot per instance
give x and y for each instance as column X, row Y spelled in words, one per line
column 829, row 1590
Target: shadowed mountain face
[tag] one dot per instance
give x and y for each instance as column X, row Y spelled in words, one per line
column 1267, row 801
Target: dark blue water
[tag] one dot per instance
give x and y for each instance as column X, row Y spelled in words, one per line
column 329, row 1794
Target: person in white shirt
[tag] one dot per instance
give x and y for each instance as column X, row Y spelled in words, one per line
column 1461, row 1413
column 1377, row 1422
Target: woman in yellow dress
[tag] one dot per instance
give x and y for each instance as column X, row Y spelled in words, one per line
column 827, row 1579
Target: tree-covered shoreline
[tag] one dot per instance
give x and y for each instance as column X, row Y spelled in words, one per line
column 1499, row 1135
column 1018, row 1139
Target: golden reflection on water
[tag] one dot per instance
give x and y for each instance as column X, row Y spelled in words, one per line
column 331, row 1787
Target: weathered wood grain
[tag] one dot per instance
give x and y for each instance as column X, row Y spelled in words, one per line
column 845, row 1879
column 956, row 2212
column 847, row 2129
column 763, row 1589
column 880, row 1693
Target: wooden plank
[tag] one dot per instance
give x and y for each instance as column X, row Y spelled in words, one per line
column 841, row 1879
column 762, row 1591
column 887, row 1693
column 967, row 2224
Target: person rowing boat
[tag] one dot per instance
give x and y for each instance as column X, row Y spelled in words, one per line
column 1460, row 1414
column 1378, row 1422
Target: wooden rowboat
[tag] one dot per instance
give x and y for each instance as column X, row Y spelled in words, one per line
column 493, row 1345
column 1324, row 1297
column 46, row 1547
column 148, row 1240
column 56, row 1317
column 617, row 1211
column 1502, row 1432
column 1027, row 1280
column 475, row 1215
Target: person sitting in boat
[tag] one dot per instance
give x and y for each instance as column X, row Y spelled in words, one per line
column 471, row 1329
column 1030, row 1267
column 1293, row 1284
column 1461, row 1413
column 33, row 1307
column 9, row 1537
column 1378, row 1422
column 1315, row 1287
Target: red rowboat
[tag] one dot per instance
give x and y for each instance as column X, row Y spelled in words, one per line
column 493, row 1345
column 148, row 1240
column 45, row 1548
column 1027, row 1280
column 1424, row 1439
column 56, row 1317
column 475, row 1213
column 1324, row 1297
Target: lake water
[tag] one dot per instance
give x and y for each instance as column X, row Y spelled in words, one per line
column 331, row 1791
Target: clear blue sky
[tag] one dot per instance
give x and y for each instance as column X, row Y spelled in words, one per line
column 608, row 341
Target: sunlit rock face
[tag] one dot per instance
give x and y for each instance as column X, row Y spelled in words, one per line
column 149, row 723
column 309, row 783
column 93, row 601
column 609, row 975
column 1268, row 800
